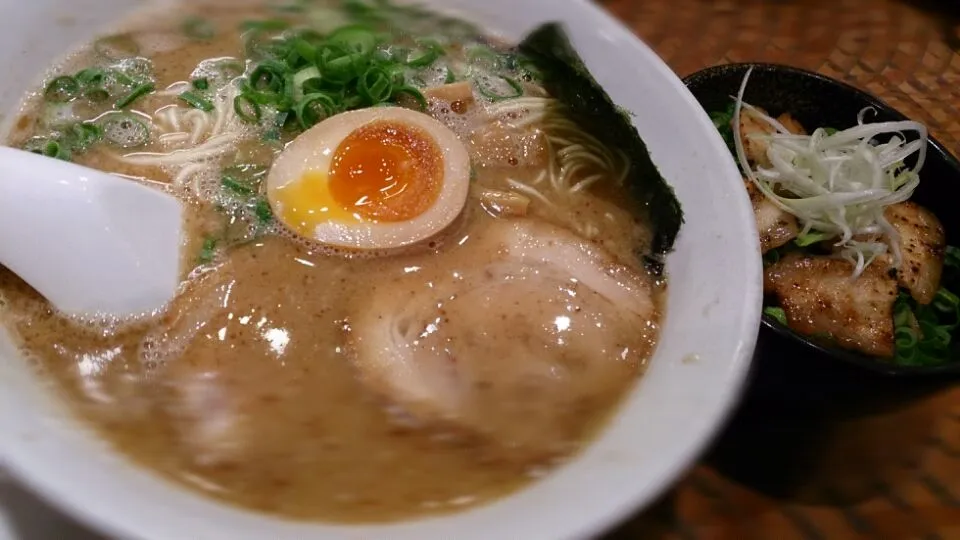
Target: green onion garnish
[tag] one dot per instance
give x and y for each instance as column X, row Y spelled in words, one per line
column 246, row 108
column 356, row 39
column 496, row 96
column 263, row 211
column 90, row 77
column 375, row 86
column 196, row 101
column 200, row 84
column 62, row 89
column 777, row 313
column 301, row 78
column 135, row 94
column 924, row 333
column 235, row 185
column 314, row 108
column 207, row 251
column 431, row 52
column 412, row 92
column 56, row 150
column 84, row 135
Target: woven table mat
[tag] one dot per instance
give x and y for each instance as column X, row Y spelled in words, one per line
column 889, row 468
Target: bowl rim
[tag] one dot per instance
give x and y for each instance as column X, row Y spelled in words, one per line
column 743, row 329
column 867, row 362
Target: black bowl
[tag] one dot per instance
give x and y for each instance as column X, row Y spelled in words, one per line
column 816, row 100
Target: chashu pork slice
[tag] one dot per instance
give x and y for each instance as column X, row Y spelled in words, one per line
column 922, row 245
column 821, row 299
column 775, row 226
column 517, row 338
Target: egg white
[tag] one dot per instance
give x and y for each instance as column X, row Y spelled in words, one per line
column 314, row 149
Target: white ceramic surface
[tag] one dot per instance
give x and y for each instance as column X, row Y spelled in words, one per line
column 694, row 379
column 121, row 240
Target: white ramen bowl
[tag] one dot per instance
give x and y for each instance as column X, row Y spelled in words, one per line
column 695, row 377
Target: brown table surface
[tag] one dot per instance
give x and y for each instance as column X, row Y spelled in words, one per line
column 849, row 456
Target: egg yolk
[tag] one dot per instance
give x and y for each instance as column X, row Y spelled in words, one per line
column 386, row 171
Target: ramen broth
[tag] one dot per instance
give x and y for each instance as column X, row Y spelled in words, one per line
column 247, row 387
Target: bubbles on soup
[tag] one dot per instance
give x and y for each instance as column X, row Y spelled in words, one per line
column 124, row 130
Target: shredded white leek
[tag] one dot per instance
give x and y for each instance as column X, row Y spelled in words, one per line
column 838, row 184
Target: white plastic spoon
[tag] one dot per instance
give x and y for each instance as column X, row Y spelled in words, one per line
column 90, row 242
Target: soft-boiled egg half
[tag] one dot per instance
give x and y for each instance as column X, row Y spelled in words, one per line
column 375, row 178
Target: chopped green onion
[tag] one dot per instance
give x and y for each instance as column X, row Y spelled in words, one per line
column 268, row 78
column 56, row 150
column 289, row 89
column 300, row 79
column 905, row 338
column 412, row 92
column 431, row 52
column 90, row 77
column 777, row 313
column 723, row 122
column 207, row 251
column 263, row 211
column 196, row 101
column 308, row 77
column 235, row 185
column 314, row 108
column 198, row 28
column 356, row 39
column 529, row 71
column 924, row 333
column 200, row 84
column 495, row 96
column 135, row 94
column 62, row 89
column 339, row 66
column 246, row 108
column 85, row 135
column 375, row 86
column 301, row 52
